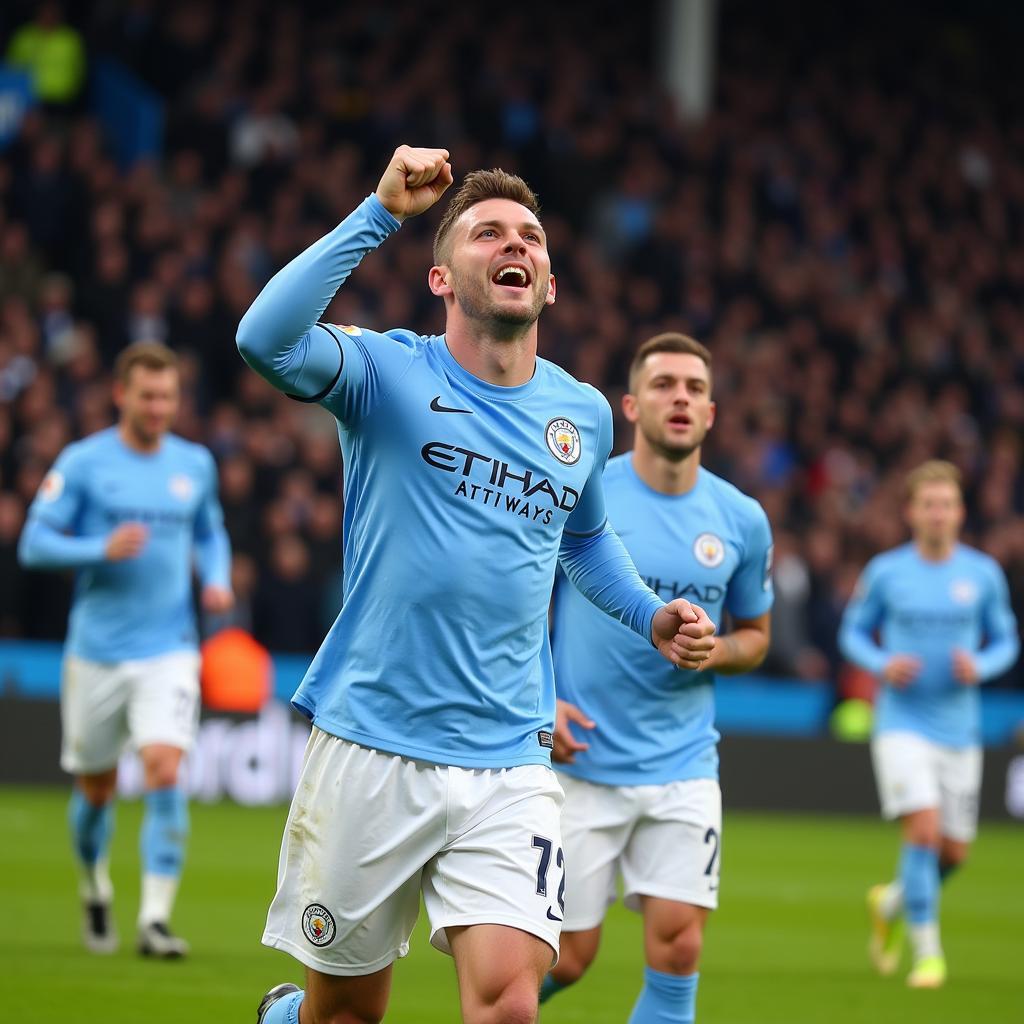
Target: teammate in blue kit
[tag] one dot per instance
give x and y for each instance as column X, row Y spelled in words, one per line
column 641, row 789
column 471, row 468
column 129, row 509
column 932, row 620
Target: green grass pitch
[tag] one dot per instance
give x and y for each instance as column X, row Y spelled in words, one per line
column 786, row 947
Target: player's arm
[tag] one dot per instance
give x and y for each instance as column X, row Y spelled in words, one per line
column 1002, row 637
column 279, row 336
column 743, row 648
column 212, row 548
column 48, row 540
column 749, row 599
column 598, row 565
column 861, row 619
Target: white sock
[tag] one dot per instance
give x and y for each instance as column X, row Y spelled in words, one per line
column 95, row 885
column 891, row 903
column 158, row 892
column 925, row 940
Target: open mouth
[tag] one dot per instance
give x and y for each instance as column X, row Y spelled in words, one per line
column 511, row 275
column 680, row 420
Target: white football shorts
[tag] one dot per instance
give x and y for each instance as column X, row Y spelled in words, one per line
column 665, row 840
column 369, row 831
column 914, row 774
column 104, row 707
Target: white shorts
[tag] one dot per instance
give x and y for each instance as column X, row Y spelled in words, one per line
column 915, row 774
column 665, row 840
column 104, row 707
column 368, row 832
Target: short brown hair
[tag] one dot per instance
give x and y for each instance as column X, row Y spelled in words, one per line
column 476, row 187
column 670, row 341
column 149, row 354
column 931, row 472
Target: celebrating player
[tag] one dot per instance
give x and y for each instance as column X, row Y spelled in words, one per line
column 942, row 615
column 641, row 790
column 471, row 468
column 129, row 508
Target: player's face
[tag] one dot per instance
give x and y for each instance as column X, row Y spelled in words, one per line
column 148, row 401
column 671, row 404
column 936, row 512
column 500, row 271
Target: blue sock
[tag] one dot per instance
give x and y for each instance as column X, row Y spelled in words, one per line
column 919, row 872
column 666, row 999
column 164, row 831
column 550, row 987
column 285, row 1010
column 91, row 827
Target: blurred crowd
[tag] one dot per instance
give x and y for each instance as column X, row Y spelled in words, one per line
column 845, row 231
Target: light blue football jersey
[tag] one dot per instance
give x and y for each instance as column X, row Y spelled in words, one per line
column 929, row 610
column 460, row 498
column 655, row 723
column 139, row 607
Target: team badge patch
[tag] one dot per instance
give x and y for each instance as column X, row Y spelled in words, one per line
column 181, row 486
column 963, row 591
column 318, row 925
column 709, row 550
column 52, row 486
column 564, row 441
column 350, row 329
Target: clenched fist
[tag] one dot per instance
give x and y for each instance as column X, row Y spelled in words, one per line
column 127, row 541
column 414, row 180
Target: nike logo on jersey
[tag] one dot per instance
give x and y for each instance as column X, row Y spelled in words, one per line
column 436, row 406
column 553, row 917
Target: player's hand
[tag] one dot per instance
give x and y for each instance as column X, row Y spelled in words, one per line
column 566, row 744
column 414, row 180
column 964, row 668
column 126, row 541
column 683, row 634
column 901, row 670
column 216, row 600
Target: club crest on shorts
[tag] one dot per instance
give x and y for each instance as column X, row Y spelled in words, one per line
column 563, row 441
column 181, row 486
column 318, row 925
column 709, row 550
column 52, row 486
column 963, row 591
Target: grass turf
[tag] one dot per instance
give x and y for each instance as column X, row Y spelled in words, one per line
column 786, row 947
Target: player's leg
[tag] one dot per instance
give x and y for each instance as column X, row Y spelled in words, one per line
column 596, row 824
column 329, row 999
column 497, row 887
column 163, row 718
column 671, row 872
column 907, row 777
column 361, row 826
column 500, row 971
column 94, row 730
column 673, row 937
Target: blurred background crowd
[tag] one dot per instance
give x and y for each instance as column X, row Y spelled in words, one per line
column 847, row 238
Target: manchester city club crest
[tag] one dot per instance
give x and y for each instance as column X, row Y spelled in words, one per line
column 963, row 591
column 318, row 924
column 709, row 550
column 181, row 486
column 564, row 441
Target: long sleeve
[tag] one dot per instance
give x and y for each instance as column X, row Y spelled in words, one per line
column 1002, row 637
column 213, row 548
column 860, row 620
column 43, row 547
column 599, row 567
column 279, row 337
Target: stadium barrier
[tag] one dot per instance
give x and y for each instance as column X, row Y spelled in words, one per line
column 255, row 760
